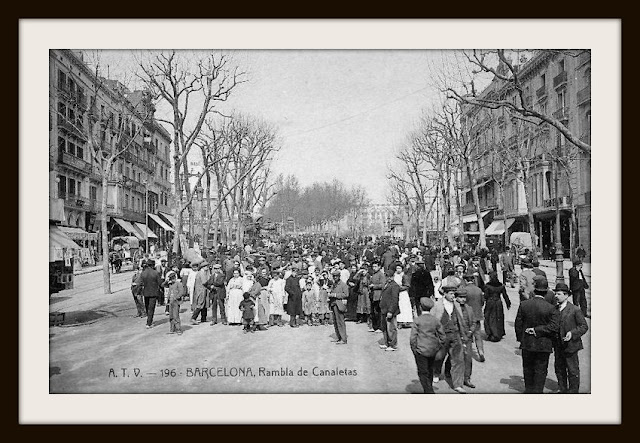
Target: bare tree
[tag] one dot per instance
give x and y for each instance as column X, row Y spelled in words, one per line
column 508, row 68
column 181, row 79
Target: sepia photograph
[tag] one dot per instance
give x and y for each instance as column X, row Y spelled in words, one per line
column 320, row 221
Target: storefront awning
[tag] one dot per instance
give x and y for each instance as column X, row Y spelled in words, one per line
column 58, row 239
column 471, row 218
column 169, row 218
column 78, row 233
column 161, row 222
column 144, row 231
column 125, row 225
column 497, row 227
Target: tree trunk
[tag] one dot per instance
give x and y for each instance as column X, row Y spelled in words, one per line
column 459, row 211
column 106, row 276
column 177, row 208
column 476, row 203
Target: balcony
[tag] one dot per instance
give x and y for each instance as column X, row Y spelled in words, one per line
column 74, row 201
column 75, row 162
column 563, row 202
column 129, row 214
column 68, row 126
column 541, row 93
column 468, row 208
column 584, row 95
column 562, row 113
column 560, row 80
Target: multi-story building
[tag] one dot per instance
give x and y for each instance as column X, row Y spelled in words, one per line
column 556, row 83
column 139, row 187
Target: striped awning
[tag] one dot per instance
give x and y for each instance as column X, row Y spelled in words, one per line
column 125, row 225
column 161, row 223
column 144, row 231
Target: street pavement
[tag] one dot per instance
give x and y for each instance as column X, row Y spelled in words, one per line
column 113, row 352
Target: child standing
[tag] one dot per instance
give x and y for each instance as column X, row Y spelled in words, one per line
column 322, row 303
column 427, row 337
column 309, row 304
column 175, row 291
column 247, row 308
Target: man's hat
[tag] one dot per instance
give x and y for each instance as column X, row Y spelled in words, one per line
column 204, row 264
column 468, row 276
column 163, row 260
column 462, row 265
column 540, row 283
column 151, row 262
column 420, row 262
column 217, row 266
column 426, row 303
column 562, row 287
column 577, row 262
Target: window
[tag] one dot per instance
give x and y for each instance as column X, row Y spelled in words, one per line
column 71, row 147
column 126, row 200
column 127, row 172
column 62, row 144
column 72, row 187
column 62, row 109
column 542, row 81
column 79, row 188
column 561, row 100
column 561, row 66
column 62, row 80
column 62, row 186
column 93, row 193
column 79, row 152
column 139, row 181
column 139, row 204
column 120, row 167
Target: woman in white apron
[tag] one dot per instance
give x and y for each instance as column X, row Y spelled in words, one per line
column 234, row 297
column 406, row 313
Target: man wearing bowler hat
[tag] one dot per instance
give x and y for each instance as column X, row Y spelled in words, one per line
column 567, row 342
column 578, row 284
column 536, row 327
column 150, row 282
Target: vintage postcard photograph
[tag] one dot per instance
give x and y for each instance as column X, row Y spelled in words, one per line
column 322, row 220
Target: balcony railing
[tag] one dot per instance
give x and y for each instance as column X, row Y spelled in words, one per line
column 562, row 113
column 541, row 93
column 74, row 201
column 133, row 215
column 468, row 208
column 560, row 79
column 563, row 202
column 77, row 130
column 584, row 95
column 72, row 160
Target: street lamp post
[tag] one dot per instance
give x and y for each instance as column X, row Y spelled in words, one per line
column 559, row 251
column 146, row 216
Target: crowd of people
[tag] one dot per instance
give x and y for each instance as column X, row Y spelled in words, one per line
column 444, row 296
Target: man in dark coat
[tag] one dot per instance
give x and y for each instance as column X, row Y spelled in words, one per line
column 568, row 342
column 294, row 297
column 536, row 326
column 376, row 284
column 578, row 284
column 475, row 299
column 468, row 318
column 389, row 310
column 338, row 303
column 387, row 261
column 422, row 284
column 216, row 284
column 150, row 282
column 541, row 287
column 427, row 337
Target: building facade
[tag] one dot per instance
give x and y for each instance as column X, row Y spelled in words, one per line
column 139, row 187
column 554, row 83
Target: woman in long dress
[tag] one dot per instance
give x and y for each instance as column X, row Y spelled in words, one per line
column 276, row 299
column 234, row 297
column 404, row 303
column 493, row 310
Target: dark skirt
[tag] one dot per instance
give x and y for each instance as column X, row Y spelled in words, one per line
column 294, row 304
column 494, row 318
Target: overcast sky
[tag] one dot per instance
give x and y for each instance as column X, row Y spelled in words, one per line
column 339, row 113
